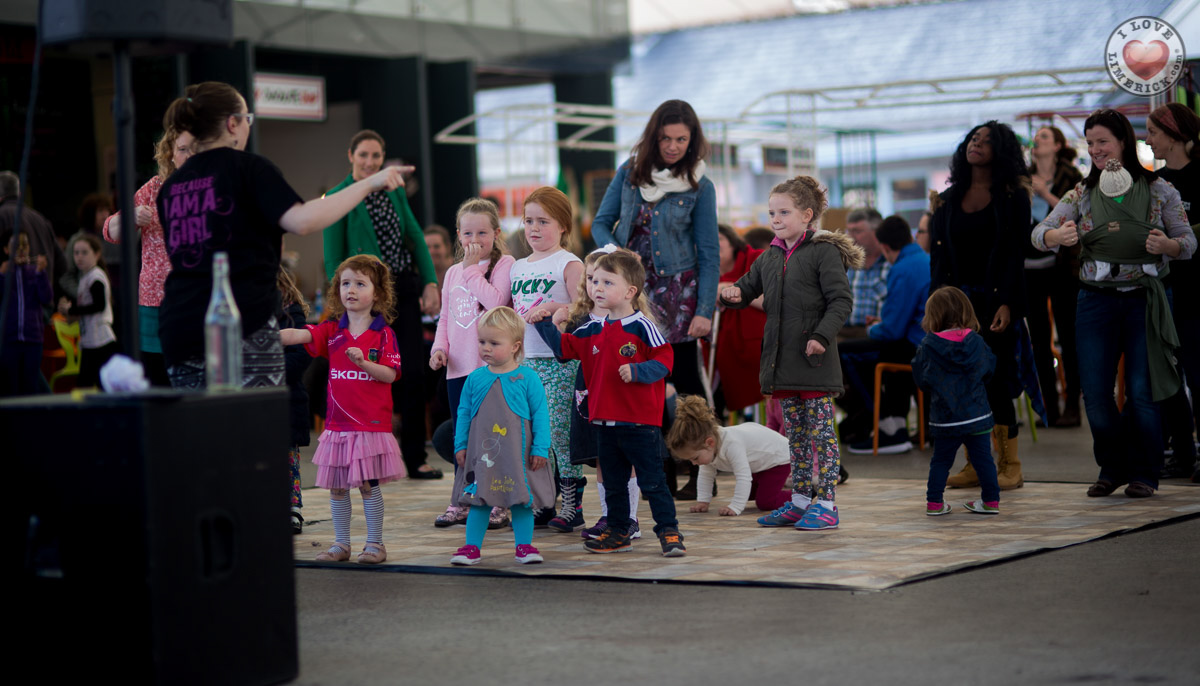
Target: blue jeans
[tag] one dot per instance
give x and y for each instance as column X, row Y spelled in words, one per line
column 1128, row 446
column 622, row 449
column 979, row 454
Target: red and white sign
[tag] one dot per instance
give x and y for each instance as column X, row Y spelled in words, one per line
column 283, row 96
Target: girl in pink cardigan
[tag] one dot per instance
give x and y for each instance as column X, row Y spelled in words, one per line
column 478, row 282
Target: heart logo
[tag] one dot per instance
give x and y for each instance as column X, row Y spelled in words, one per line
column 1145, row 59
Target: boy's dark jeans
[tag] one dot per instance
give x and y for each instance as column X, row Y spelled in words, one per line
column 636, row 446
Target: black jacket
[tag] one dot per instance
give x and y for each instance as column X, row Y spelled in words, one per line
column 1003, row 267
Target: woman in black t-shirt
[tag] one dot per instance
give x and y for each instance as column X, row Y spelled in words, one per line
column 224, row 199
column 1173, row 133
column 979, row 231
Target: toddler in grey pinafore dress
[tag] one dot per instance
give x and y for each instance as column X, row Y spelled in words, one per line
column 496, row 473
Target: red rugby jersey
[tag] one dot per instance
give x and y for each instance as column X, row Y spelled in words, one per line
column 356, row 401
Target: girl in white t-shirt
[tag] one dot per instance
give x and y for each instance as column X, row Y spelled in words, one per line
column 758, row 457
column 545, row 281
column 93, row 307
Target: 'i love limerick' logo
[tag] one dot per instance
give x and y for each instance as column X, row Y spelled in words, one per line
column 1144, row 55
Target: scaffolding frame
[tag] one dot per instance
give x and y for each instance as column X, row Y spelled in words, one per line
column 789, row 118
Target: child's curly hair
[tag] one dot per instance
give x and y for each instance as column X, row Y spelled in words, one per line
column 375, row 270
column 806, row 193
column 694, row 424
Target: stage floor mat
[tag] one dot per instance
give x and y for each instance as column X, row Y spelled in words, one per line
column 884, row 538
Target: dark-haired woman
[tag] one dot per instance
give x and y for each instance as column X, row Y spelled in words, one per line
column 1053, row 277
column 224, row 199
column 1131, row 226
column 979, row 231
column 663, row 207
column 383, row 225
column 1173, row 133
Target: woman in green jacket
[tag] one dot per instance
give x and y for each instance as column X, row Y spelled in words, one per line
column 383, row 225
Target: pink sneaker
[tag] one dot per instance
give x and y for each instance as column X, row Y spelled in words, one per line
column 466, row 555
column 527, row 554
column 937, row 509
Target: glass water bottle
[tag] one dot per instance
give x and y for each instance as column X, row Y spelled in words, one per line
column 222, row 332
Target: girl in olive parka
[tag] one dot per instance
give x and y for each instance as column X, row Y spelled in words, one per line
column 807, row 299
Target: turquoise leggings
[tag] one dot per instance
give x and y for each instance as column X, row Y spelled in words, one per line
column 522, row 524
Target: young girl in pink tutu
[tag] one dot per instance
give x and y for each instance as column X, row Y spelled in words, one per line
column 357, row 448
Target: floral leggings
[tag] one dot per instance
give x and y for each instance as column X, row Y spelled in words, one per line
column 559, row 380
column 808, row 425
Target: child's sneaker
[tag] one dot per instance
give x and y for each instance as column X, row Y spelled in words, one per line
column 937, row 509
column 466, row 555
column 672, row 543
column 980, row 507
column 609, row 541
column 594, row 531
column 542, row 517
column 787, row 515
column 498, row 519
column 527, row 554
column 635, row 531
column 818, row 518
column 566, row 524
column 454, row 515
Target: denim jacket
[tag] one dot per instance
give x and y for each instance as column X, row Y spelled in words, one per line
column 687, row 223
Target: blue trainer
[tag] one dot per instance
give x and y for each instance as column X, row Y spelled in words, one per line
column 787, row 515
column 818, row 518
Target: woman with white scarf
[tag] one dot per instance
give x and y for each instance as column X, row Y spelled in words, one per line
column 663, row 207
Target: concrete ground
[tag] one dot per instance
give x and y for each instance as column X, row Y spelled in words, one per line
column 1116, row 611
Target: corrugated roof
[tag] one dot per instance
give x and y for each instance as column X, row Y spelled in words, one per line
column 722, row 69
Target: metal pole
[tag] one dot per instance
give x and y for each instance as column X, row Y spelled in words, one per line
column 788, row 108
column 508, row 191
column 123, row 116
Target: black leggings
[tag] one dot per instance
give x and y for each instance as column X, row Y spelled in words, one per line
column 1006, row 376
column 685, row 372
column 408, row 391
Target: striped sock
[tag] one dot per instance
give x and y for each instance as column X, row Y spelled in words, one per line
column 340, row 509
column 373, row 509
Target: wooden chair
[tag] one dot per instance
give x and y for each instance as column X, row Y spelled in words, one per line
column 68, row 338
column 1056, row 350
column 880, row 368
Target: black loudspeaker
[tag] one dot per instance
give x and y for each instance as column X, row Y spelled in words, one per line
column 166, row 21
column 152, row 537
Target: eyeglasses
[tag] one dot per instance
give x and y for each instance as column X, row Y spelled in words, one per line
column 248, row 115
